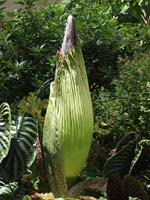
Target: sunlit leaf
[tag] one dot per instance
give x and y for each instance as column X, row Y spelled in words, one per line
column 5, row 125
column 22, row 150
column 11, row 191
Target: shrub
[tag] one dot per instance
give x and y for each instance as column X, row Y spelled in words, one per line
column 30, row 39
column 127, row 109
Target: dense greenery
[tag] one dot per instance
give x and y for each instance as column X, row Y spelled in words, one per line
column 18, row 152
column 115, row 39
column 126, row 108
column 30, row 39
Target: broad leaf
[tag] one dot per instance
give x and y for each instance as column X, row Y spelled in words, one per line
column 5, row 124
column 145, row 143
column 22, row 149
column 11, row 191
column 137, row 153
column 121, row 161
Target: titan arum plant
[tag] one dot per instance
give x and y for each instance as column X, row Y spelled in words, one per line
column 68, row 123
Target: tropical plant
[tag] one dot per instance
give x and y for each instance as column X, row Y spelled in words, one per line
column 28, row 47
column 121, row 166
column 18, row 152
column 68, row 124
column 126, row 108
column 30, row 37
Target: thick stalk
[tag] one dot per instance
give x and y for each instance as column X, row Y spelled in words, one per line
column 53, row 160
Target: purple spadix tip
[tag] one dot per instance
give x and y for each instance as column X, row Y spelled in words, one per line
column 70, row 36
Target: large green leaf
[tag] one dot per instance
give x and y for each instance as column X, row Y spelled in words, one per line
column 11, row 191
column 145, row 143
column 121, row 161
column 22, row 150
column 5, row 124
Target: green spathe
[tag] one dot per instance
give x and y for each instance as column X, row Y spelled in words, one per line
column 68, row 124
column 73, row 102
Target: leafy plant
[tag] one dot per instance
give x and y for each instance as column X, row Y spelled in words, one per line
column 35, row 106
column 123, row 163
column 11, row 190
column 28, row 42
column 27, row 63
column 5, row 138
column 30, row 37
column 20, row 154
column 125, row 109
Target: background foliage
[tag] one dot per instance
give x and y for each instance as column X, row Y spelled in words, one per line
column 30, row 38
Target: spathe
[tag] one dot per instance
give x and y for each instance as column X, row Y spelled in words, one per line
column 68, row 123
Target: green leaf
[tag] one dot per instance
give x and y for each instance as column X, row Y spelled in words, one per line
column 11, row 191
column 5, row 124
column 22, row 149
column 137, row 153
column 121, row 161
column 145, row 143
column 26, row 197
